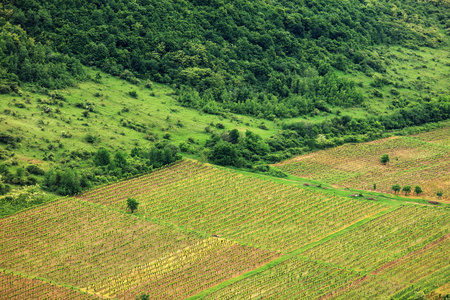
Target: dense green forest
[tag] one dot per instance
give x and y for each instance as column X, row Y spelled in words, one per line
column 268, row 59
column 281, row 62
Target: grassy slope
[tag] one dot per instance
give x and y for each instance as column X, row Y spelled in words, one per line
column 156, row 109
column 159, row 111
column 414, row 74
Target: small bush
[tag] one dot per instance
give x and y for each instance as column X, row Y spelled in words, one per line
column 133, row 94
column 149, row 84
column 91, row 139
column 20, row 104
column 33, row 169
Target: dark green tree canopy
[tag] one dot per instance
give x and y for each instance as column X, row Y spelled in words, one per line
column 132, row 204
column 102, row 157
column 406, row 189
column 384, row 159
column 396, row 188
column 418, row 190
column 272, row 59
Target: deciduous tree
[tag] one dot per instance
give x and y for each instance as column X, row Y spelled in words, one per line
column 406, row 189
column 396, row 188
column 132, row 204
column 418, row 190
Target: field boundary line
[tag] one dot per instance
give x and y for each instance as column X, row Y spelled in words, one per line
column 291, row 254
column 51, row 282
column 376, row 272
column 412, row 283
column 56, row 199
column 150, row 220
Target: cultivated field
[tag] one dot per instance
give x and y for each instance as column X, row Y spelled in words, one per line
column 14, row 286
column 438, row 136
column 295, row 278
column 246, row 209
column 412, row 162
column 427, row 269
column 103, row 251
column 375, row 260
column 203, row 232
column 385, row 239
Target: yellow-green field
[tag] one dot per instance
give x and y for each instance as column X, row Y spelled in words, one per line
column 422, row 160
column 202, row 232
column 250, row 210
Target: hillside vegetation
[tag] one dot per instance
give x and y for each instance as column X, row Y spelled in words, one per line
column 273, row 60
column 264, row 82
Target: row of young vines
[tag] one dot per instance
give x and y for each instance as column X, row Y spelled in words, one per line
column 87, row 246
column 16, row 287
column 384, row 239
column 412, row 162
column 383, row 258
column 243, row 208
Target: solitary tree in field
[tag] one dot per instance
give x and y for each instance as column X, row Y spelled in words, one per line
column 418, row 190
column 132, row 204
column 406, row 189
column 439, row 194
column 384, row 159
column 396, row 188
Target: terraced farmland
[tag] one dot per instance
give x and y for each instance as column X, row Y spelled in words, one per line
column 246, row 209
column 412, row 162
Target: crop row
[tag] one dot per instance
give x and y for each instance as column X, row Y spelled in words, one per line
column 412, row 162
column 438, row 136
column 427, row 285
column 13, row 286
column 78, row 243
column 381, row 240
column 186, row 272
column 295, row 278
column 402, row 274
column 303, row 277
column 86, row 245
column 243, row 208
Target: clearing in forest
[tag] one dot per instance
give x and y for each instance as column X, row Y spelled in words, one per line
column 413, row 162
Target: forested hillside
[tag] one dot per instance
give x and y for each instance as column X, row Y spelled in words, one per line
column 268, row 59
